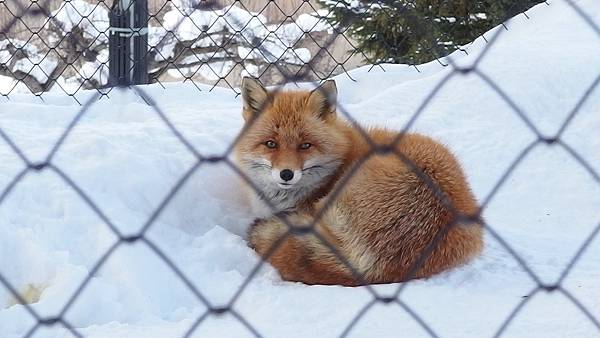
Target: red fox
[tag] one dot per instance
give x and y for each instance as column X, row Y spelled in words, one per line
column 405, row 211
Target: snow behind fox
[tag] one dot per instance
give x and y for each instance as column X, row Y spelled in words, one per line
column 393, row 206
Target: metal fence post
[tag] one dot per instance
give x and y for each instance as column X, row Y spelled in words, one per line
column 140, row 42
column 128, row 41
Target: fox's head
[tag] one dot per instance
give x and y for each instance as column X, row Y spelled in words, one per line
column 291, row 139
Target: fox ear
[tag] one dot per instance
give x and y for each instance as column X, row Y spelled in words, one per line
column 254, row 96
column 323, row 99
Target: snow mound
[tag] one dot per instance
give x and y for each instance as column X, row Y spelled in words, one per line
column 127, row 161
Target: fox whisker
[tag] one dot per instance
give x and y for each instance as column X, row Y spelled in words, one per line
column 257, row 165
column 313, row 167
column 323, row 165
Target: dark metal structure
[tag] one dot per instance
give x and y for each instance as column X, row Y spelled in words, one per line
column 128, row 42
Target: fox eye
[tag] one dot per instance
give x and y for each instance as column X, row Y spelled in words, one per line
column 271, row 144
column 305, row 146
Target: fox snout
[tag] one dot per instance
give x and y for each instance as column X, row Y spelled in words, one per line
column 286, row 178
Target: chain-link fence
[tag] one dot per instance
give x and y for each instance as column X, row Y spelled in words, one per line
column 74, row 45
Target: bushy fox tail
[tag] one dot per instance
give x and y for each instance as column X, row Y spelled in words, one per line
column 312, row 254
column 301, row 251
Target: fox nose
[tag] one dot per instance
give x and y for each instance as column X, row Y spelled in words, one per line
column 286, row 174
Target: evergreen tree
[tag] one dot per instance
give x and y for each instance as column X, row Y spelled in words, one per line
column 418, row 31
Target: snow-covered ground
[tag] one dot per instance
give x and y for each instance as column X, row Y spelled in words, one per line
column 126, row 160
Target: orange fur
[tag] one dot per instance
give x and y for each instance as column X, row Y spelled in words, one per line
column 380, row 215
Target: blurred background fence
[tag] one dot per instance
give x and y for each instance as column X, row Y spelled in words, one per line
column 64, row 45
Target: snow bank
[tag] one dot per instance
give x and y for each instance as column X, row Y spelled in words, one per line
column 278, row 41
column 123, row 156
column 36, row 64
column 91, row 19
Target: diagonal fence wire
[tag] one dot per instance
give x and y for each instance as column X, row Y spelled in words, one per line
column 304, row 73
